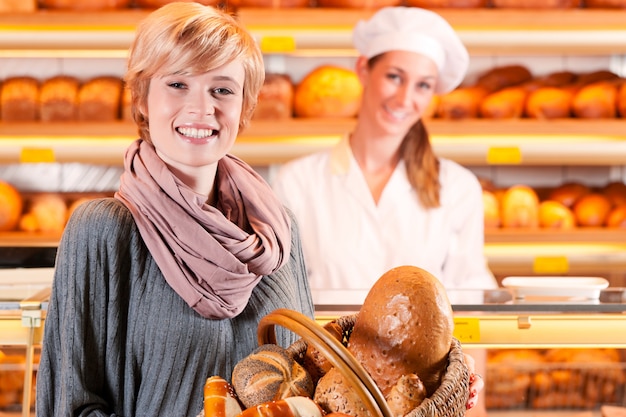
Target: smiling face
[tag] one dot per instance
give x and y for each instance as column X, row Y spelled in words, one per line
column 194, row 119
column 397, row 89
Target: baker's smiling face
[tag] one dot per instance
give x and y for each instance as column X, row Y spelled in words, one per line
column 194, row 119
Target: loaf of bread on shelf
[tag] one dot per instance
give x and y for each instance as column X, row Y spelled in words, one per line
column 328, row 91
column 18, row 6
column 85, row 4
column 275, row 98
column 509, row 376
column 507, row 103
column 19, row 99
column 358, row 4
column 461, row 103
column 460, row 4
column 596, row 101
column 154, row 4
column 127, row 106
column 99, row 99
column 549, row 103
column 536, row 4
column 504, row 76
column 605, row 4
column 58, row 99
column 275, row 4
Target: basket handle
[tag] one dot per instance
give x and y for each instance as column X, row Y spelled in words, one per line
column 332, row 349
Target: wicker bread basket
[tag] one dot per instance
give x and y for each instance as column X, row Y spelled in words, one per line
column 447, row 401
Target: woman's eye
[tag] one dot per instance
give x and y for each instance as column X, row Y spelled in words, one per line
column 223, row 91
column 425, row 86
column 177, row 85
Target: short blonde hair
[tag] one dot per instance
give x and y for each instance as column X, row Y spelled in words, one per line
column 189, row 38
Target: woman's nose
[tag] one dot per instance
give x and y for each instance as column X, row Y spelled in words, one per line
column 202, row 103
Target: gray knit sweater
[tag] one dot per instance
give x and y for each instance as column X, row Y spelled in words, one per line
column 118, row 341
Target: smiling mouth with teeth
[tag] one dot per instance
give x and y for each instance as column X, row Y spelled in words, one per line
column 194, row 133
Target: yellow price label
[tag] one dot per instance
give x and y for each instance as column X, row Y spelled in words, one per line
column 467, row 329
column 504, row 155
column 278, row 44
column 36, row 155
column 551, row 265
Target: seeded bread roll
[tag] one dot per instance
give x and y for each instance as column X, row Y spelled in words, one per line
column 269, row 373
column 99, row 99
column 19, row 99
column 59, row 99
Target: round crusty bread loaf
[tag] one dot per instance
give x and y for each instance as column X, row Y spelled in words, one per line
column 404, row 327
column 269, row 373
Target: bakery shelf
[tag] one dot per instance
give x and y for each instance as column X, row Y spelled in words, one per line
column 470, row 142
column 586, row 31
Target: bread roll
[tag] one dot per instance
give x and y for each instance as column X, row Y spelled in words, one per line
column 408, row 393
column 269, row 373
column 220, row 398
column 19, row 99
column 606, row 4
column 554, row 215
column 460, row 4
column 85, row 4
column 520, row 207
column 275, row 98
column 328, row 91
column 461, row 103
column 11, row 206
column 568, row 193
column 59, row 99
column 359, row 4
column 592, row 210
column 277, row 4
column 491, row 208
column 154, row 4
column 536, row 4
column 616, row 192
column 507, row 103
column 596, row 101
column 504, row 76
column 99, row 99
column 621, row 100
column 549, row 103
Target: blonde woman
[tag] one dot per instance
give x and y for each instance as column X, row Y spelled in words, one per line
column 163, row 286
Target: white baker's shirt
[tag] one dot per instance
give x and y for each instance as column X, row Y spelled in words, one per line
column 349, row 241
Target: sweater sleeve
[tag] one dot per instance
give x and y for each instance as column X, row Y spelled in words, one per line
column 71, row 376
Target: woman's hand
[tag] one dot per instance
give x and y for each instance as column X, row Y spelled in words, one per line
column 476, row 382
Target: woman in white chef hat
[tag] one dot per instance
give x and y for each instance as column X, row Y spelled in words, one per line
column 381, row 198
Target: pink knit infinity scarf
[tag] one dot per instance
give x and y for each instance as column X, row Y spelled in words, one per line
column 213, row 257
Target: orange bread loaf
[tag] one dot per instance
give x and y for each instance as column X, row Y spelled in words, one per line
column 549, row 103
column 596, row 101
column 536, row 4
column 507, row 103
column 277, row 4
column 461, row 103
column 447, row 3
column 19, row 99
column 358, row 4
column 605, row 4
column 59, row 99
column 99, row 99
column 85, row 4
column 153, row 4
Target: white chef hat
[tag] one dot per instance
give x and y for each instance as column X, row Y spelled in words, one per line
column 416, row 30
